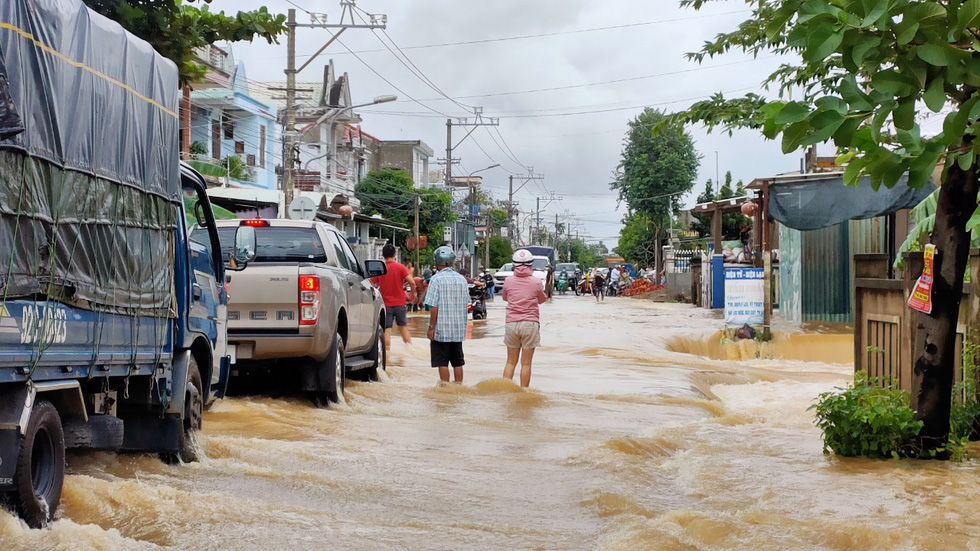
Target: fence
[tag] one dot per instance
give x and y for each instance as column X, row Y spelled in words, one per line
column 885, row 331
column 677, row 272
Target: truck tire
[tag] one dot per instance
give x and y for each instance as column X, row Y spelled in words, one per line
column 379, row 354
column 187, row 451
column 335, row 392
column 40, row 466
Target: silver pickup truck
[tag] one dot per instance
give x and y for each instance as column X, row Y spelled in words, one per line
column 305, row 302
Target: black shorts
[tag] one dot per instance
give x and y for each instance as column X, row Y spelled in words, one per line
column 396, row 313
column 446, row 353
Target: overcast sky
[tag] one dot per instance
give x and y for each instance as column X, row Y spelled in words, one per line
column 573, row 135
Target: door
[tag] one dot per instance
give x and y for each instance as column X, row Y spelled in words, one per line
column 355, row 337
column 208, row 312
column 366, row 318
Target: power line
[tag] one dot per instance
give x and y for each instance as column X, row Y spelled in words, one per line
column 542, row 114
column 549, row 34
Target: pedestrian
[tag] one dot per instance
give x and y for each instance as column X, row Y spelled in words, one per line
column 491, row 285
column 448, row 297
column 522, row 329
column 614, row 275
column 392, row 287
column 598, row 285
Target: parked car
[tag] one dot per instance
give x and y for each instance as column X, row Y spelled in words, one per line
column 502, row 274
column 305, row 296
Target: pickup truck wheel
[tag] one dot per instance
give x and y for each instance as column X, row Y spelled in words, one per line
column 187, row 451
column 379, row 354
column 40, row 466
column 336, row 358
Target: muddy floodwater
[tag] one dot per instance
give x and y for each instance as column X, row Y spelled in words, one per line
column 641, row 432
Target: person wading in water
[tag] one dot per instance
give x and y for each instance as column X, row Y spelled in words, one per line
column 522, row 332
column 448, row 296
column 392, row 286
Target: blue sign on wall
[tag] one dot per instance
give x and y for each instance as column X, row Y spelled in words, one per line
column 744, row 296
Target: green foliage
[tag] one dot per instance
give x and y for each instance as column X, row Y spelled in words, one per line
column 864, row 419
column 864, row 67
column 199, row 148
column 176, row 30
column 965, row 408
column 231, row 166
column 391, row 193
column 637, row 239
column 656, row 170
column 500, row 251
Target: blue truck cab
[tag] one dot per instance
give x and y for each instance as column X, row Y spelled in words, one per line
column 112, row 318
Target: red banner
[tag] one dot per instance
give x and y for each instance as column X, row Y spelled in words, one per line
column 921, row 298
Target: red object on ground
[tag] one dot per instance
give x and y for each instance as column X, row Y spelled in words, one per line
column 641, row 286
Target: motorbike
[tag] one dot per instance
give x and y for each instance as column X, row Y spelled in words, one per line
column 478, row 301
column 584, row 287
column 562, row 285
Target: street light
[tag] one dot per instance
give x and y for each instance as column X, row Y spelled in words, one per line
column 332, row 119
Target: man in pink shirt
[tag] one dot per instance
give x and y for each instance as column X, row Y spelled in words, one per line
column 522, row 332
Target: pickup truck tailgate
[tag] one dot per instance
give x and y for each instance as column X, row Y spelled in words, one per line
column 264, row 298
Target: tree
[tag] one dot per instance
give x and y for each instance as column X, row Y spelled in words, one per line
column 656, row 170
column 583, row 254
column 637, row 240
column 391, row 193
column 702, row 223
column 864, row 68
column 500, row 251
column 176, row 30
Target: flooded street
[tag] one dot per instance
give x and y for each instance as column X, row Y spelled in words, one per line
column 624, row 442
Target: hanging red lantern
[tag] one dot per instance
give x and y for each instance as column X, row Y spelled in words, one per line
column 749, row 208
column 346, row 210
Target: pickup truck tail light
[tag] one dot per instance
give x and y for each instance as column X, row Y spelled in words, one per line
column 309, row 299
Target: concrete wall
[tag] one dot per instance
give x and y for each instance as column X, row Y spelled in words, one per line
column 679, row 284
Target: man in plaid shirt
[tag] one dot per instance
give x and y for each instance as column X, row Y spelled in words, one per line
column 448, row 296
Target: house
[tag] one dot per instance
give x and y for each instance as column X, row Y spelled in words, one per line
column 230, row 130
column 412, row 156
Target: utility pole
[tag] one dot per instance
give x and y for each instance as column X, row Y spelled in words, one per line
column 511, row 204
column 287, row 161
column 537, row 224
column 556, row 234
column 418, row 238
column 318, row 21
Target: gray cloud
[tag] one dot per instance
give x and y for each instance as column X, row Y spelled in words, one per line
column 577, row 153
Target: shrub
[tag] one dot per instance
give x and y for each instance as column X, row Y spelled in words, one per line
column 965, row 408
column 864, row 419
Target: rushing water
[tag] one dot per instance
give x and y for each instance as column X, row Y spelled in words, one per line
column 626, row 441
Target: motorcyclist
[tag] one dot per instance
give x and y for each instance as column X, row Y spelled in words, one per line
column 487, row 280
column 614, row 275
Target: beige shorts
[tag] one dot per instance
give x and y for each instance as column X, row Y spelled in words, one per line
column 522, row 334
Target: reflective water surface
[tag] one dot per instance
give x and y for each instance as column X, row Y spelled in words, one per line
column 640, row 432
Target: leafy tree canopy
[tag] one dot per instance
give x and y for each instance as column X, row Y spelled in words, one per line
column 391, row 193
column 176, row 29
column 656, row 170
column 637, row 240
column 500, row 251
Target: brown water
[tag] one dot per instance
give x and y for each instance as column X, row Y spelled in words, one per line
column 622, row 444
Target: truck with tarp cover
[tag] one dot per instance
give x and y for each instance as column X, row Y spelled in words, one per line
column 112, row 320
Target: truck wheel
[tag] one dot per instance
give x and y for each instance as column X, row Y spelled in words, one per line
column 187, row 451
column 336, row 358
column 40, row 466
column 379, row 354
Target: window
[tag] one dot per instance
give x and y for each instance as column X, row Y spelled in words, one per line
column 228, row 126
column 338, row 249
column 262, row 146
column 540, row 264
column 355, row 266
column 278, row 244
